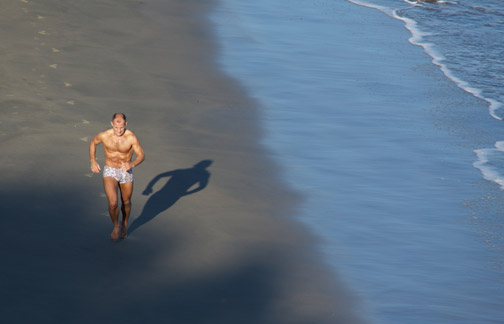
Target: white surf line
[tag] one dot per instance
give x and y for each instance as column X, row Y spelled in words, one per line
column 437, row 59
column 487, row 171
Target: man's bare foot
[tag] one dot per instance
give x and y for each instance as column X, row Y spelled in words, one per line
column 115, row 234
column 124, row 232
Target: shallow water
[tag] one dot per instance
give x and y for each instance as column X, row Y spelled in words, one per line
column 380, row 142
column 463, row 39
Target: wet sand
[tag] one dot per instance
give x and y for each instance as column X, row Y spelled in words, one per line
column 214, row 243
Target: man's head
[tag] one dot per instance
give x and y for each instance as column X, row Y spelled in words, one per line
column 119, row 123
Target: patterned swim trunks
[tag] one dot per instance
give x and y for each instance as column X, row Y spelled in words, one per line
column 119, row 174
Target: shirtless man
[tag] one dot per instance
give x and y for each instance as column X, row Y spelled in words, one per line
column 119, row 145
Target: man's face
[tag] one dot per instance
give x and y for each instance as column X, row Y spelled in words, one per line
column 119, row 126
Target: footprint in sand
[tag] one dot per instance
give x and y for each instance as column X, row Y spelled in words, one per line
column 67, row 84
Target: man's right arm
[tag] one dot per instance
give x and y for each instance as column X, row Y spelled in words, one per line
column 95, row 167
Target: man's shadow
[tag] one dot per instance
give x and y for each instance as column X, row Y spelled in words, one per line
column 179, row 185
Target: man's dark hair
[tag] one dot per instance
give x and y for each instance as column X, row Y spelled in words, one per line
column 116, row 114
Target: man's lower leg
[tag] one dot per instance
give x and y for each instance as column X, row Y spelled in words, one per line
column 114, row 216
column 125, row 208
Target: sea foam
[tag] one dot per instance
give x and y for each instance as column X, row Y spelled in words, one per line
column 486, row 163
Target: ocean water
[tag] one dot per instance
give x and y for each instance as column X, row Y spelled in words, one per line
column 463, row 39
column 386, row 116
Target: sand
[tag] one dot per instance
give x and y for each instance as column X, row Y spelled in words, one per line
column 217, row 245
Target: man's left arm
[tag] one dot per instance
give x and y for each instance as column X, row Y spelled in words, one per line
column 140, row 156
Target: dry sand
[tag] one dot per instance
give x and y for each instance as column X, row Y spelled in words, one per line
column 227, row 253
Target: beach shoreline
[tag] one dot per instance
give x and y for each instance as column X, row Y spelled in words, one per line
column 227, row 253
column 380, row 144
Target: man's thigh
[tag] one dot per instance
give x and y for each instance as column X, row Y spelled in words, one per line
column 111, row 185
column 126, row 190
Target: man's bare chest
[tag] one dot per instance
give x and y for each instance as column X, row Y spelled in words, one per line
column 117, row 144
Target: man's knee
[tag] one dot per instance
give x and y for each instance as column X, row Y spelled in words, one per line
column 126, row 203
column 113, row 204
